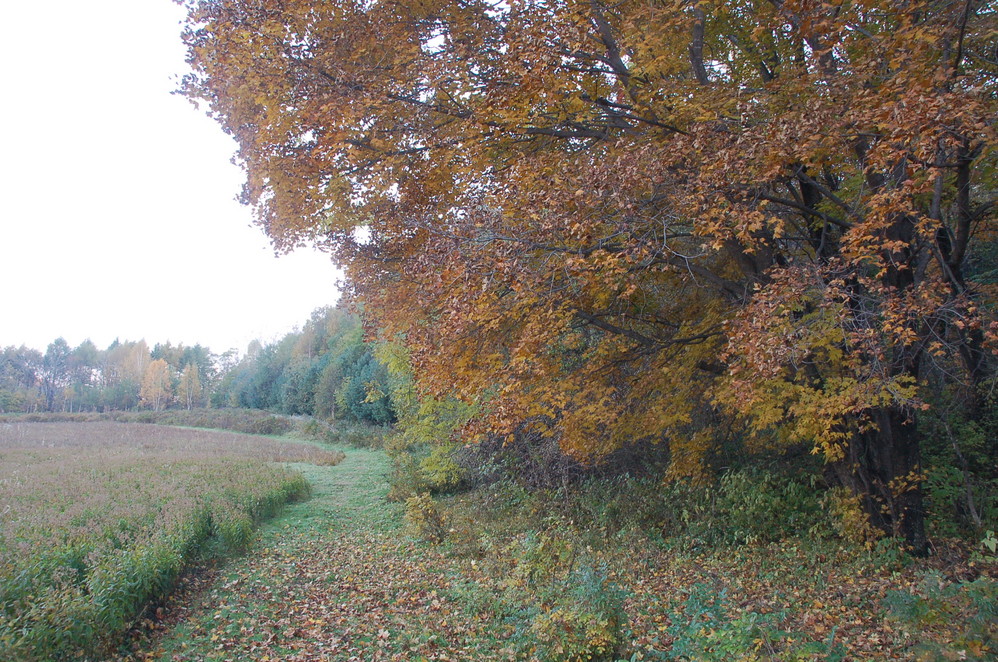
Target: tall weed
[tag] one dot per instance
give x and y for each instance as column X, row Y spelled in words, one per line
column 92, row 533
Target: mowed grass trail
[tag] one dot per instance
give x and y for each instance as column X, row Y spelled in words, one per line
column 334, row 578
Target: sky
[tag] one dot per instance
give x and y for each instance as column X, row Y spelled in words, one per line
column 118, row 216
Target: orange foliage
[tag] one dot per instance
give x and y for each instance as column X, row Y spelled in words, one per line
column 618, row 221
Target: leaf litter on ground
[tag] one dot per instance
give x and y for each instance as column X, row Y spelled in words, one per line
column 337, row 578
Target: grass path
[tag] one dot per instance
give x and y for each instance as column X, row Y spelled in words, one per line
column 333, row 578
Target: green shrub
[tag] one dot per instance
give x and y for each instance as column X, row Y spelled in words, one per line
column 250, row 421
column 232, row 525
column 586, row 618
column 759, row 506
column 573, row 633
column 271, row 425
column 122, row 583
column 558, row 597
column 425, row 518
column 314, row 430
column 55, row 417
column 347, row 433
column 405, row 480
column 965, row 614
column 360, row 435
column 703, row 630
column 618, row 504
column 439, row 470
column 420, row 467
column 947, row 505
column 959, row 441
column 742, row 507
column 848, row 519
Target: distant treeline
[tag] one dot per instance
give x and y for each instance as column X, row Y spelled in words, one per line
column 325, row 369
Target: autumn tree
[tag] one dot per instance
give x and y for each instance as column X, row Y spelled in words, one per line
column 19, row 370
column 157, row 385
column 122, row 370
column 55, row 374
column 189, row 390
column 83, row 373
column 609, row 222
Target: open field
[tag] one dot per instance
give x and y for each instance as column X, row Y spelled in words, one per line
column 347, row 576
column 249, row 421
column 97, row 519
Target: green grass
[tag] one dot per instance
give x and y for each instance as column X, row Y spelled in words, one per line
column 336, row 577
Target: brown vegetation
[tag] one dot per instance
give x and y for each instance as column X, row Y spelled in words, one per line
column 100, row 518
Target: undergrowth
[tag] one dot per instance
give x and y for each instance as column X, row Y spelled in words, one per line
column 342, row 433
column 753, row 567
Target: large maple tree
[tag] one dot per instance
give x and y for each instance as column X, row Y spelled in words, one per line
column 604, row 222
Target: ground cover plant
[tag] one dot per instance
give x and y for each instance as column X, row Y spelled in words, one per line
column 624, row 568
column 97, row 519
column 605, row 570
column 333, row 578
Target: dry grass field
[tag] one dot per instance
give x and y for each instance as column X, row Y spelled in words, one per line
column 97, row 519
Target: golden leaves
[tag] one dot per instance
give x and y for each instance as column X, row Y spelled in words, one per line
column 566, row 223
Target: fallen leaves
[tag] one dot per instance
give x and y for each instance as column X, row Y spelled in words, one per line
column 350, row 587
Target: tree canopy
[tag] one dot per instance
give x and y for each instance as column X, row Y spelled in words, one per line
column 325, row 369
column 606, row 222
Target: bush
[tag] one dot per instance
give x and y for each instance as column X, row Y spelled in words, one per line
column 421, row 467
column 314, row 430
column 232, row 525
column 423, row 515
column 703, row 630
column 849, row 520
column 948, row 508
column 556, row 594
column 249, row 421
column 965, row 614
column 959, row 441
column 759, row 506
column 55, row 417
column 742, row 507
column 588, row 622
column 573, row 633
column 271, row 425
column 358, row 435
column 405, row 480
column 439, row 470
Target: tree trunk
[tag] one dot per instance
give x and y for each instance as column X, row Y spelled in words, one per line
column 883, row 467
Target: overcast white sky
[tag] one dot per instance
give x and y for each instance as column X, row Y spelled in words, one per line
column 117, row 210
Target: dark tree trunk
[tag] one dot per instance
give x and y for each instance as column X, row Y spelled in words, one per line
column 883, row 463
column 882, row 466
